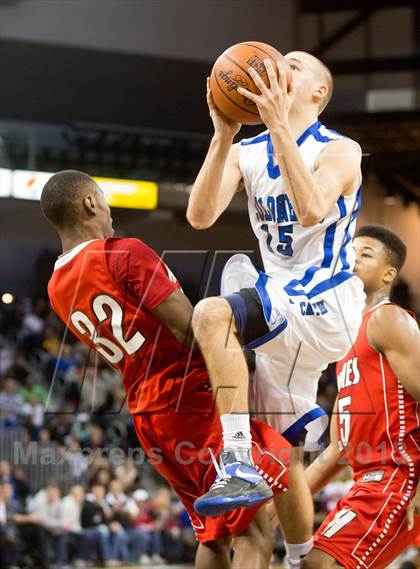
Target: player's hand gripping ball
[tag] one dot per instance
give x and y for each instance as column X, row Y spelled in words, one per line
column 230, row 71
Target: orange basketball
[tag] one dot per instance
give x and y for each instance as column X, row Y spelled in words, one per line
column 230, row 72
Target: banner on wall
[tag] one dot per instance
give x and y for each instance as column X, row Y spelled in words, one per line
column 133, row 194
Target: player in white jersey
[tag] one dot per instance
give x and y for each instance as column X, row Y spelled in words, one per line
column 303, row 186
column 306, row 265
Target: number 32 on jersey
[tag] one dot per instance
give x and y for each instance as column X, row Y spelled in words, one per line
column 112, row 351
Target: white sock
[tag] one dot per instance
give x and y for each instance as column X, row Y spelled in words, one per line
column 237, row 434
column 297, row 551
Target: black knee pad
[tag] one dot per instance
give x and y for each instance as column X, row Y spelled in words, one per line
column 249, row 315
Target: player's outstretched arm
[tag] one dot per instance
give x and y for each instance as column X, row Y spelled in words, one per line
column 220, row 177
column 328, row 464
column 394, row 333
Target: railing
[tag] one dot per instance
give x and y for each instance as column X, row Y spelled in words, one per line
column 41, row 463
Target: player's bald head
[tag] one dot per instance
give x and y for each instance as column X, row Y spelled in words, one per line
column 319, row 71
column 63, row 194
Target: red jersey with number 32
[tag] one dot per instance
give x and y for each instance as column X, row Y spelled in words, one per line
column 105, row 291
column 378, row 420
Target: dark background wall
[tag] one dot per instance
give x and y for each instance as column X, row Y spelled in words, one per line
column 140, row 66
column 144, row 62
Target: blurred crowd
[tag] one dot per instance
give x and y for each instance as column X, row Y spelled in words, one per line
column 57, row 395
column 103, row 524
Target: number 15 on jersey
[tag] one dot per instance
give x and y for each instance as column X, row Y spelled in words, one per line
column 285, row 239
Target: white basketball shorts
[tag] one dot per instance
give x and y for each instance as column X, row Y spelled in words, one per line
column 302, row 336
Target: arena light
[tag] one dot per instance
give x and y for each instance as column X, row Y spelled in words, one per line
column 133, row 194
column 7, row 298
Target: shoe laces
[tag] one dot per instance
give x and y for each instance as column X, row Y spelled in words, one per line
column 222, row 476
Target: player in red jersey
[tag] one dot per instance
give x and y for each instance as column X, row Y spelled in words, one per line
column 118, row 297
column 377, row 426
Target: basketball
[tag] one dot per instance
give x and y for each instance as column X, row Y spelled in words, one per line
column 230, row 71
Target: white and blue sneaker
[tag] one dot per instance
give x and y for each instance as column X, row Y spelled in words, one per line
column 237, row 485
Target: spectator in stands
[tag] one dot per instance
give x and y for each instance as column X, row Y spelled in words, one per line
column 32, row 413
column 81, row 430
column 127, row 473
column 177, row 537
column 6, row 354
column 30, row 388
column 96, row 391
column 150, row 519
column 28, row 533
column 44, row 437
column 77, row 460
column 188, row 535
column 10, row 404
column 20, row 485
column 5, row 472
column 46, row 505
column 95, row 531
column 16, row 479
column 20, row 368
column 71, row 508
column 161, row 508
column 74, row 357
column 97, row 438
column 34, row 325
column 34, row 320
column 70, row 516
column 103, row 476
column 9, row 547
column 144, row 521
column 60, row 428
column 133, row 540
column 66, row 362
column 12, row 319
column 52, row 342
column 326, row 396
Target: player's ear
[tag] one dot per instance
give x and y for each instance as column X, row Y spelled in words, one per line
column 89, row 204
column 319, row 93
column 390, row 275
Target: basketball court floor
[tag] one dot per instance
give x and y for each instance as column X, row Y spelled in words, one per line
column 394, row 565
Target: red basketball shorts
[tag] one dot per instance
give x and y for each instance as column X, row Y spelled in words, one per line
column 368, row 527
column 177, row 443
